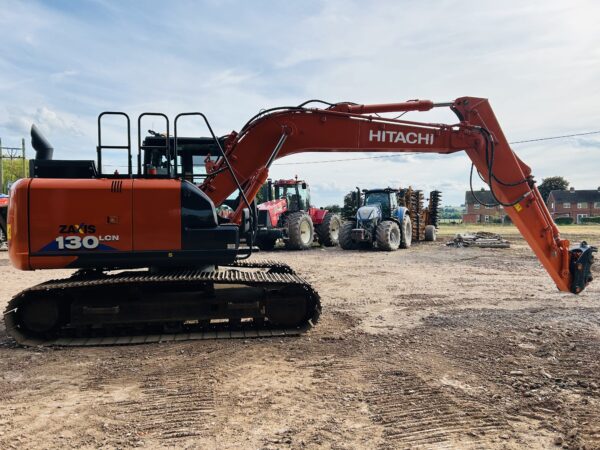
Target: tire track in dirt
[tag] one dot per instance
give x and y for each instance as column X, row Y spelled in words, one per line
column 318, row 384
column 175, row 405
column 565, row 380
column 417, row 414
column 43, row 403
column 404, row 409
column 536, row 367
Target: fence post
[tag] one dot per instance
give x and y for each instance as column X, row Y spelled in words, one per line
column 23, row 149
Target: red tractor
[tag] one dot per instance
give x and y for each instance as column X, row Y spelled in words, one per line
column 3, row 216
column 289, row 215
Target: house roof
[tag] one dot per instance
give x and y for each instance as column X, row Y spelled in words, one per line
column 577, row 196
column 483, row 197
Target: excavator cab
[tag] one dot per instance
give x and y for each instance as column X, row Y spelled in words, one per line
column 192, row 153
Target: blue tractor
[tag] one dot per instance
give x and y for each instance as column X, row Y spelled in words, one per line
column 389, row 219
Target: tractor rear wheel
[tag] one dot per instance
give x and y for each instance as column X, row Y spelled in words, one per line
column 329, row 230
column 388, row 236
column 345, row 237
column 430, row 233
column 406, row 229
column 300, row 231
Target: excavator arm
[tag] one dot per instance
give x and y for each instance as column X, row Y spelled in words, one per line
column 347, row 127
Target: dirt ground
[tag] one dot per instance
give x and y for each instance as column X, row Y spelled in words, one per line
column 431, row 347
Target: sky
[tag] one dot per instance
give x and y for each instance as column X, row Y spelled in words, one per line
column 538, row 62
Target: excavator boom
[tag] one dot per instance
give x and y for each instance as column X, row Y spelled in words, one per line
column 357, row 128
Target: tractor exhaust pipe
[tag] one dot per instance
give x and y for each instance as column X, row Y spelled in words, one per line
column 43, row 148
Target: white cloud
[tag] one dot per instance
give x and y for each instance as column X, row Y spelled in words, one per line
column 538, row 63
column 48, row 120
column 63, row 75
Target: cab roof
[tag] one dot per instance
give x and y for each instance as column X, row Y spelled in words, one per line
column 369, row 191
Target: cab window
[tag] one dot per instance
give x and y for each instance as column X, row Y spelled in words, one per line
column 393, row 201
column 377, row 197
column 304, row 198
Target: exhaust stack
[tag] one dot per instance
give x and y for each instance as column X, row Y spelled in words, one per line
column 43, row 148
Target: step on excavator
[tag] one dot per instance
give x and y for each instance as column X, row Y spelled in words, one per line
column 156, row 263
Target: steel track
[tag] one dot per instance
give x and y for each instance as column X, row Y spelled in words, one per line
column 273, row 275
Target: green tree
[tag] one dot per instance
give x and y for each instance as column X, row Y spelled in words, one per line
column 262, row 195
column 350, row 207
column 12, row 170
column 552, row 184
column 451, row 212
column 333, row 208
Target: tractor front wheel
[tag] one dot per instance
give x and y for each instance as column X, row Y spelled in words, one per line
column 300, row 231
column 329, row 230
column 345, row 237
column 388, row 236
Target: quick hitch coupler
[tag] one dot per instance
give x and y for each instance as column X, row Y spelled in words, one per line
column 580, row 266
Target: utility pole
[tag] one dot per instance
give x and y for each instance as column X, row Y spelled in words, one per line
column 23, row 155
column 1, row 170
column 12, row 154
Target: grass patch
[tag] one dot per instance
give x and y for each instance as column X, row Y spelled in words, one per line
column 588, row 231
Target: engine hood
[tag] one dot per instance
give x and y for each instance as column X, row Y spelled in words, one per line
column 368, row 213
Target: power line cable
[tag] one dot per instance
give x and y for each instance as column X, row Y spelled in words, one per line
column 564, row 136
column 556, row 137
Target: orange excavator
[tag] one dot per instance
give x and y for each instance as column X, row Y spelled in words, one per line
column 155, row 260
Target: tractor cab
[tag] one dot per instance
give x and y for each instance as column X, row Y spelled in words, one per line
column 379, row 221
column 295, row 191
column 383, row 219
column 288, row 215
column 386, row 199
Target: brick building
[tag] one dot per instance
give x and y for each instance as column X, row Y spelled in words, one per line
column 476, row 212
column 575, row 204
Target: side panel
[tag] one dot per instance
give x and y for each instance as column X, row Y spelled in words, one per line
column 18, row 226
column 400, row 212
column 156, row 215
column 317, row 215
column 74, row 216
column 115, row 224
column 274, row 208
